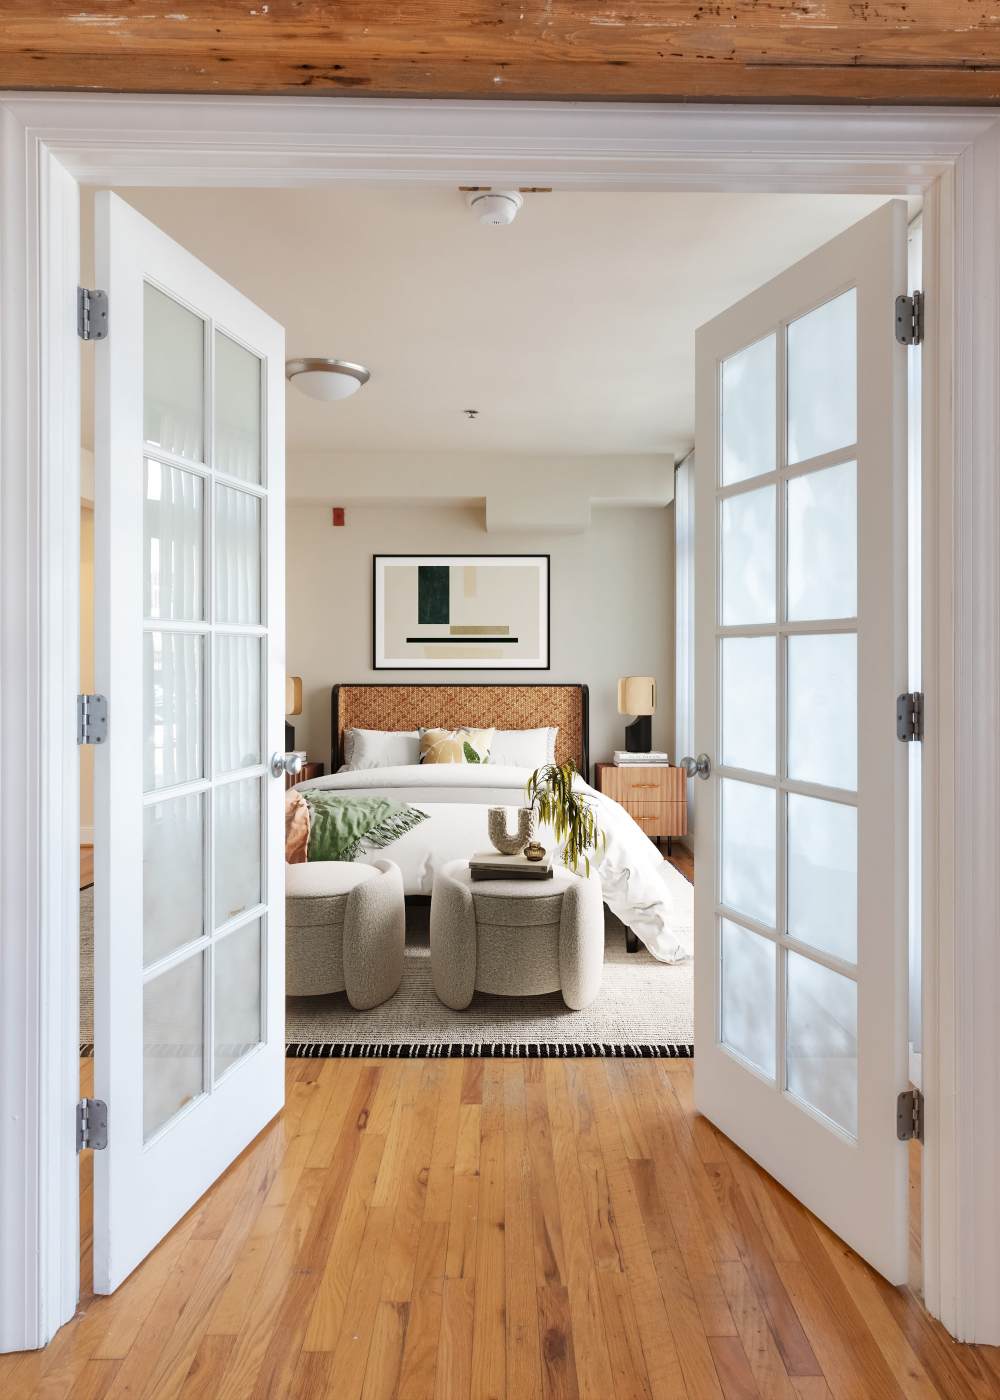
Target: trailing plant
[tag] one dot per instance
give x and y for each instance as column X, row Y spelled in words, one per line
column 567, row 811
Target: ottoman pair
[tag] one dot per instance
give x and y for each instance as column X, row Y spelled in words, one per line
column 345, row 931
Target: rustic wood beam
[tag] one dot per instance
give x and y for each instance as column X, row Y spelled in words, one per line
column 912, row 51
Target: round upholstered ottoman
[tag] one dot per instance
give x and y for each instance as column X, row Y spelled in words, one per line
column 516, row 937
column 345, row 930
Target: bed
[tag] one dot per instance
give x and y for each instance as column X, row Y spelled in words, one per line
column 649, row 896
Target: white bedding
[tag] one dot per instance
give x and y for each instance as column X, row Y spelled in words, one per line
column 645, row 891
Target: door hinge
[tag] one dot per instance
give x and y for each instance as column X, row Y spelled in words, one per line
column 91, row 719
column 910, row 1116
column 910, row 717
column 91, row 314
column 910, row 319
column 91, row 1125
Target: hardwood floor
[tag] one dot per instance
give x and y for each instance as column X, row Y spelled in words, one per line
column 498, row 1230
column 86, row 866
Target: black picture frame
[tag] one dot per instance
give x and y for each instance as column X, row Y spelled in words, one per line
column 421, row 664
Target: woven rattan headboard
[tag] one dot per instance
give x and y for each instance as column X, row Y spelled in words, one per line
column 480, row 706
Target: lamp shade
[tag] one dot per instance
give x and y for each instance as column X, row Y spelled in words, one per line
column 293, row 695
column 637, row 695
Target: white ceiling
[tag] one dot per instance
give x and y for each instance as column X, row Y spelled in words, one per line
column 571, row 330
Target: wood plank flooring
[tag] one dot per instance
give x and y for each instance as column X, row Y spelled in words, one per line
column 498, row 1230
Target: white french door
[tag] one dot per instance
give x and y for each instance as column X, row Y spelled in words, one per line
column 800, row 920
column 189, row 650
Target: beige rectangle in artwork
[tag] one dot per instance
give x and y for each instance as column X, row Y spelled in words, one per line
column 469, row 629
column 468, row 653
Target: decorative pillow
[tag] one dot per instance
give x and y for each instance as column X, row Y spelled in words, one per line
column 456, row 745
column 380, row 748
column 524, row 748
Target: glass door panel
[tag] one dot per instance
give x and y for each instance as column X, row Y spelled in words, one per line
column 823, row 543
column 748, row 412
column 823, row 875
column 173, row 516
column 822, row 1036
column 237, row 410
column 173, row 372
column 749, row 703
column 748, row 995
column 822, row 367
column 173, row 875
column 237, row 995
column 823, row 709
column 237, row 556
column 173, row 1031
column 747, row 850
column 748, row 558
column 237, row 829
column 174, row 748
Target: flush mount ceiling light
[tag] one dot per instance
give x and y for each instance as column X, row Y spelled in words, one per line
column 328, row 380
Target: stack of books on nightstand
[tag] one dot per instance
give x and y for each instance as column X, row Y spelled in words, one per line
column 490, row 865
column 654, row 759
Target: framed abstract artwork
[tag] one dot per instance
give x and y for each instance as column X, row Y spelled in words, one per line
column 460, row 612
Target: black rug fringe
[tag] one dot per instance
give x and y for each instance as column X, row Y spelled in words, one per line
column 485, row 1050
column 488, row 1050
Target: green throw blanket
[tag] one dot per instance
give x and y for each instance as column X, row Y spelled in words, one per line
column 340, row 826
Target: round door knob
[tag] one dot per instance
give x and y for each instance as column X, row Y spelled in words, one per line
column 282, row 763
column 700, row 767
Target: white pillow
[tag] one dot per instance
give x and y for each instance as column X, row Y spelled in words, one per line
column 380, row 748
column 524, row 748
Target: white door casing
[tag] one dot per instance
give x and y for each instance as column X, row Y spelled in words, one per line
column 793, row 808
column 189, row 650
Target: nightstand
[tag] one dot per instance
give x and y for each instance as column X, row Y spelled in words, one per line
column 655, row 797
column 305, row 775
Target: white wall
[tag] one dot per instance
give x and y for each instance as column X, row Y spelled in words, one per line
column 612, row 604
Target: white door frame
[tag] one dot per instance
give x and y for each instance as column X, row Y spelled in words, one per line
column 48, row 143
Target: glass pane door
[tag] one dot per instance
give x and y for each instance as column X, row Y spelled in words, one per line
column 205, row 649
column 787, row 663
column 800, row 652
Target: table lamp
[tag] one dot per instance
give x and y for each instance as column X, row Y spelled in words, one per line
column 637, row 696
column 293, row 706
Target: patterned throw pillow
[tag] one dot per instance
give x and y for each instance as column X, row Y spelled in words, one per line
column 456, row 745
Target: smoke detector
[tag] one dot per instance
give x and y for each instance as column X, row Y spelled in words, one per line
column 495, row 206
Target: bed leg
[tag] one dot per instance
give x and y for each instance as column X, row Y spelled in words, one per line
column 631, row 942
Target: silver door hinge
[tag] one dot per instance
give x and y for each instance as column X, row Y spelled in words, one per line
column 91, row 1125
column 91, row 314
column 910, row 1116
column 910, row 717
column 910, row 319
column 91, row 719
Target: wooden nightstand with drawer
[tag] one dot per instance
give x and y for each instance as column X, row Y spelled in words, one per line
column 655, row 797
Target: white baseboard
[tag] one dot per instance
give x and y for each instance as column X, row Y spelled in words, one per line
column 916, row 1068
column 86, row 836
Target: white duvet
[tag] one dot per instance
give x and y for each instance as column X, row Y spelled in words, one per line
column 645, row 891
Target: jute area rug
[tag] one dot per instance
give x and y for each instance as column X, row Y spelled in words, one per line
column 645, row 1009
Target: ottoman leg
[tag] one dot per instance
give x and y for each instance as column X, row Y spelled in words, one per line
column 581, row 943
column 374, row 939
column 453, row 943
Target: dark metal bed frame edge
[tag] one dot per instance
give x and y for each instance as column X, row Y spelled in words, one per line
column 337, row 756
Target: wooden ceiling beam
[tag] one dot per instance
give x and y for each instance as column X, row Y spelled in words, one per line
column 904, row 51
